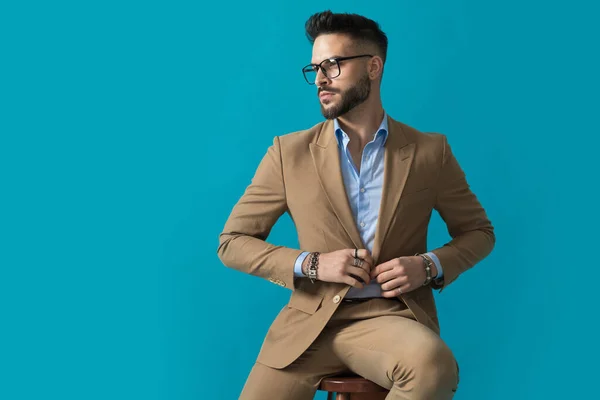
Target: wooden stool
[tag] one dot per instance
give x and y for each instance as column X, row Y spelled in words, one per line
column 352, row 388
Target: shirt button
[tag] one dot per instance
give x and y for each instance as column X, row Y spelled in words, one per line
column 362, row 190
column 362, row 224
column 336, row 299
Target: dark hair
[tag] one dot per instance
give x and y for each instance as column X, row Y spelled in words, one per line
column 356, row 26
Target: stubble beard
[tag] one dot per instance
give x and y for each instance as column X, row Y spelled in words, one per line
column 351, row 98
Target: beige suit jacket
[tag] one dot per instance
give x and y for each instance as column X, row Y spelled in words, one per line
column 300, row 174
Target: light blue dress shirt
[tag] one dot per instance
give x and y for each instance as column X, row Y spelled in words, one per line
column 364, row 194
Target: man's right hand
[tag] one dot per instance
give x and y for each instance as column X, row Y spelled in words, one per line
column 338, row 267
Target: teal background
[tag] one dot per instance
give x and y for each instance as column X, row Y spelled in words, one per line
column 130, row 129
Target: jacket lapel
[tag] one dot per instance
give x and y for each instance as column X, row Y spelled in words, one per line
column 398, row 158
column 327, row 164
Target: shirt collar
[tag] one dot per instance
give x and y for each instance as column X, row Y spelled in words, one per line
column 342, row 138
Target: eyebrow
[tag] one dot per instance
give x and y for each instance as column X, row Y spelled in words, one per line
column 328, row 58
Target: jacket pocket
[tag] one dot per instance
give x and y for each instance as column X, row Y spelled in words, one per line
column 305, row 302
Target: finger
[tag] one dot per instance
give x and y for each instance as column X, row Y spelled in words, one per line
column 387, row 276
column 365, row 255
column 364, row 264
column 386, row 266
column 360, row 273
column 361, row 253
column 360, row 263
column 393, row 284
column 398, row 291
column 368, row 261
column 353, row 282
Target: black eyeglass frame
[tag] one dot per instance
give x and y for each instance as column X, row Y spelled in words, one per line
column 316, row 67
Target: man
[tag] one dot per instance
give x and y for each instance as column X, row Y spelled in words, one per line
column 360, row 188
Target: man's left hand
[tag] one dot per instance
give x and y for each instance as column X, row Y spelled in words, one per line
column 401, row 275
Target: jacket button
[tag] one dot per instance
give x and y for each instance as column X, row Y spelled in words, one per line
column 336, row 299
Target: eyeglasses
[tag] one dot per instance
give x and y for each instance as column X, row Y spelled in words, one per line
column 330, row 68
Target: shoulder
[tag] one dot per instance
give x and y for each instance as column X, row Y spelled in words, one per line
column 297, row 143
column 426, row 142
column 302, row 137
column 420, row 136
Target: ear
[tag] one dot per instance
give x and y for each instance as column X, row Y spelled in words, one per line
column 375, row 67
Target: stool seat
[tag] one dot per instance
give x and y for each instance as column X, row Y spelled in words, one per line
column 350, row 384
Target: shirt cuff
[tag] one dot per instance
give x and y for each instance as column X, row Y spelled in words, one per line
column 298, row 264
column 436, row 260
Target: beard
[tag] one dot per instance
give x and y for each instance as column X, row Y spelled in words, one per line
column 350, row 98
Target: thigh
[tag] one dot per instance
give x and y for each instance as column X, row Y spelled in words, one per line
column 396, row 351
column 265, row 382
column 299, row 380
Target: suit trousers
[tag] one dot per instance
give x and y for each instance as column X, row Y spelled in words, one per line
column 378, row 339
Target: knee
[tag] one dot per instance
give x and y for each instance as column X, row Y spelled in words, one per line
column 431, row 369
column 438, row 362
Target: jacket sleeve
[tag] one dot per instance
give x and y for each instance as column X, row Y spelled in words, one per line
column 242, row 243
column 472, row 233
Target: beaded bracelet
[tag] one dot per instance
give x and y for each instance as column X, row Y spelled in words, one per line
column 428, row 264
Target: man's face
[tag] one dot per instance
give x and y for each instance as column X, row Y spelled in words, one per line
column 352, row 87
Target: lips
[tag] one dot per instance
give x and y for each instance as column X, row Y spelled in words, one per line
column 325, row 95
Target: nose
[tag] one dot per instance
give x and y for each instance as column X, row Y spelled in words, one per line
column 321, row 79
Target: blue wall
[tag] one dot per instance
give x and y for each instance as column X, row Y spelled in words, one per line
column 130, row 129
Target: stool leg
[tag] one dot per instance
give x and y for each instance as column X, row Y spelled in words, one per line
column 342, row 396
column 368, row 396
column 329, row 396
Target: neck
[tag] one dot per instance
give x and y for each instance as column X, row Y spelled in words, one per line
column 361, row 123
